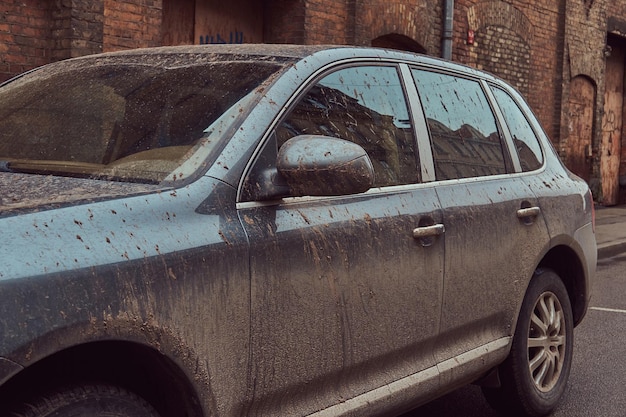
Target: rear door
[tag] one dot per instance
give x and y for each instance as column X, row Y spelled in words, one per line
column 494, row 228
column 344, row 298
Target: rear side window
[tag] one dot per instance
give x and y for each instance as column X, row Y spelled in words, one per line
column 465, row 138
column 526, row 143
column 365, row 105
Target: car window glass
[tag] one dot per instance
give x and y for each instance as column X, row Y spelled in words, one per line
column 524, row 137
column 117, row 120
column 365, row 105
column 464, row 134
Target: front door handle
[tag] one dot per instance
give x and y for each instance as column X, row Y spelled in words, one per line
column 528, row 212
column 428, row 231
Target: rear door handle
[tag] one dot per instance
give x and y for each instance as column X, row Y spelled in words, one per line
column 528, row 215
column 428, row 231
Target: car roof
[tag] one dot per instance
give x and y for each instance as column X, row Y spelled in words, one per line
column 285, row 53
column 241, row 50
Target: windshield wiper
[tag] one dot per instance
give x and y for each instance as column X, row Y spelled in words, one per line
column 77, row 170
column 42, row 166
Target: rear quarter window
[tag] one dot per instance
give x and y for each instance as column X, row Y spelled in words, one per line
column 524, row 138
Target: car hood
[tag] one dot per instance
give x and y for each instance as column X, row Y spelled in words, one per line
column 27, row 192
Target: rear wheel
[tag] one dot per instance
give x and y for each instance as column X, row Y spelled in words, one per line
column 535, row 374
column 87, row 401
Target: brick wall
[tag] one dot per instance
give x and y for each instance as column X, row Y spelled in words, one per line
column 419, row 21
column 284, row 21
column 25, row 36
column 353, row 21
column 328, row 21
column 131, row 24
column 519, row 41
column 85, row 27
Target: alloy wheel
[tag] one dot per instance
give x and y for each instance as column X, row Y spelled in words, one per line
column 546, row 342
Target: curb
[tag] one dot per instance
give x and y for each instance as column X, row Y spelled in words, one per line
column 608, row 250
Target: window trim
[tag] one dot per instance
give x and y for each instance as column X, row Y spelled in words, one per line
column 420, row 126
column 504, row 127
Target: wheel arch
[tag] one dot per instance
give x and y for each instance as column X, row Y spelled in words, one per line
column 134, row 366
column 566, row 263
column 568, row 266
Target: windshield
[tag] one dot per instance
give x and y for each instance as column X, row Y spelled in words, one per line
column 120, row 121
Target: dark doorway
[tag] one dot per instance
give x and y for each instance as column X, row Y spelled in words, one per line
column 397, row 41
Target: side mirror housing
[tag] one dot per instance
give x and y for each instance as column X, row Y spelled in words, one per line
column 324, row 166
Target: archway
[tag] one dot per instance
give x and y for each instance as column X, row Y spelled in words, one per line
column 505, row 35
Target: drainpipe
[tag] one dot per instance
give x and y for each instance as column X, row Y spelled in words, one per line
column 448, row 18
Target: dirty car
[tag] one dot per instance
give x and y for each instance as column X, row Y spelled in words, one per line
column 268, row 230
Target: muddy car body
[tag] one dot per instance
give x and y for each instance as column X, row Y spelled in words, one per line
column 281, row 230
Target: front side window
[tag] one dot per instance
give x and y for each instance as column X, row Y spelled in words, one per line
column 463, row 130
column 524, row 138
column 365, row 105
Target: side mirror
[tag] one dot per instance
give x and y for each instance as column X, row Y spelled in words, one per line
column 323, row 166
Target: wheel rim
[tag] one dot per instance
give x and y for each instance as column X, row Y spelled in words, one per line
column 546, row 342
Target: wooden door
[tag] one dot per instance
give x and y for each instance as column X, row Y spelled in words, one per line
column 580, row 126
column 612, row 126
column 178, row 24
column 233, row 21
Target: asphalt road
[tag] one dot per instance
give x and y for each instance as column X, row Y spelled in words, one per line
column 597, row 385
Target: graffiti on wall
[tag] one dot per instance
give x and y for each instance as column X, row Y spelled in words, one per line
column 232, row 37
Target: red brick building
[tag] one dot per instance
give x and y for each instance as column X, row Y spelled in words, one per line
column 566, row 56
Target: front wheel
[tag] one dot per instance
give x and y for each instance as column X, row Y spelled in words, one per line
column 535, row 374
column 87, row 401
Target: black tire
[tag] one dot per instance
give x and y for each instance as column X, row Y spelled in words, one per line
column 87, row 401
column 534, row 376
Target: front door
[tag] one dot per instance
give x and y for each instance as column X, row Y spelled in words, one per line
column 344, row 298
